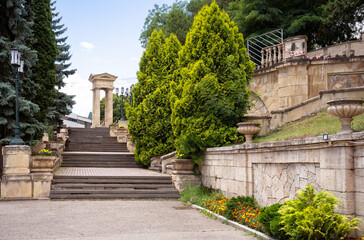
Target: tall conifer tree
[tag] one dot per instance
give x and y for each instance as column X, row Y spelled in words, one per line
column 62, row 103
column 15, row 32
column 44, row 71
column 211, row 96
column 149, row 119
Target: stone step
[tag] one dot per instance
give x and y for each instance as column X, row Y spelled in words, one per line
column 101, row 165
column 153, row 196
column 110, row 186
column 113, row 187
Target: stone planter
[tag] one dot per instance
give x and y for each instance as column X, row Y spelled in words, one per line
column 43, row 163
column 130, row 146
column 182, row 166
column 345, row 109
column 248, row 129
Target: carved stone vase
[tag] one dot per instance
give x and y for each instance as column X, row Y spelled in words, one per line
column 248, row 129
column 345, row 109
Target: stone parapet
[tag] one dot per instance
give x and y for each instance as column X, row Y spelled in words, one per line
column 273, row 171
column 24, row 176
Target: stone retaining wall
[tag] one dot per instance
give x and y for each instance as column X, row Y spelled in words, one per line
column 274, row 171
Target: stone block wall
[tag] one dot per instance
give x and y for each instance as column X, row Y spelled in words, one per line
column 272, row 172
column 298, row 81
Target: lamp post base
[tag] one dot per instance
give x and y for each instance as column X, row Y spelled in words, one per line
column 17, row 141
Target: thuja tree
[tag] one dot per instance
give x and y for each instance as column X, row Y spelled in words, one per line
column 211, row 96
column 15, row 32
column 63, row 103
column 44, row 71
column 149, row 118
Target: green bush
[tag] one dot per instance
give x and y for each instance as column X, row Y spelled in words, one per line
column 271, row 218
column 210, row 94
column 311, row 216
column 197, row 195
column 233, row 204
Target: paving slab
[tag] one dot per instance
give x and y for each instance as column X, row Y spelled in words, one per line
column 101, row 220
column 79, row 171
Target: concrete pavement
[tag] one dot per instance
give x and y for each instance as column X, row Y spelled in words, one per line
column 99, row 220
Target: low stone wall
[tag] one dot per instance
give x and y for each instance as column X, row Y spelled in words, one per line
column 274, row 171
column 310, row 106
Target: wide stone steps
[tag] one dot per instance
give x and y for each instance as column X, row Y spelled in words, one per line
column 113, row 187
column 96, row 166
column 93, row 140
column 81, row 159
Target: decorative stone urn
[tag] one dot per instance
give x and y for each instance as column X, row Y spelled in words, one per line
column 129, row 144
column 182, row 166
column 43, row 163
column 345, row 109
column 248, row 129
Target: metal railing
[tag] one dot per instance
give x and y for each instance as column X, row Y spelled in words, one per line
column 266, row 49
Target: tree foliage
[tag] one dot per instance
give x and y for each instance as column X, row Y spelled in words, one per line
column 149, row 117
column 311, row 216
column 63, row 103
column 16, row 20
column 43, row 72
column 27, row 26
column 325, row 22
column 176, row 19
column 210, row 97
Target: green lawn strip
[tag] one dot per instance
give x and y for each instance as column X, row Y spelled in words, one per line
column 311, row 127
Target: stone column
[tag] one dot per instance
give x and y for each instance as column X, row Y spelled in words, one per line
column 337, row 175
column 108, row 107
column 96, row 108
column 16, row 181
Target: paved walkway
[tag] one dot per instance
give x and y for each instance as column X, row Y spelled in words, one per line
column 99, row 220
column 76, row 171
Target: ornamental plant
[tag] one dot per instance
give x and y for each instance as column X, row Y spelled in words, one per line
column 238, row 201
column 248, row 216
column 45, row 152
column 209, row 96
column 311, row 216
column 150, row 116
column 270, row 218
column 216, row 204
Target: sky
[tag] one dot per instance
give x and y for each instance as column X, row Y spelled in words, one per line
column 104, row 37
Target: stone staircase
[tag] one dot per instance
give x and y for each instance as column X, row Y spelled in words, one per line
column 113, row 187
column 96, row 166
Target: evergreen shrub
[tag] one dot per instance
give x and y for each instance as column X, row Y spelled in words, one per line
column 270, row 218
column 311, row 216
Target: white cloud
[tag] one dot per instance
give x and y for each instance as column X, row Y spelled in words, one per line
column 87, row 45
column 81, row 88
column 134, row 59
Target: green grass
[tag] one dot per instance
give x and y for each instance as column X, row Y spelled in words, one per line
column 311, row 127
column 197, row 195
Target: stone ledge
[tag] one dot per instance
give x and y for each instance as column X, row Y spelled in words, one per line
column 334, row 141
column 169, row 155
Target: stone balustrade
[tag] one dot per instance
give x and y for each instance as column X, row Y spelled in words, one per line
column 272, row 55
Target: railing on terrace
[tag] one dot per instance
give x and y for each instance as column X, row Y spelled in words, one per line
column 266, row 49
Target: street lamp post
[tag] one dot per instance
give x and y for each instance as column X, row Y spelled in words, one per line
column 17, row 64
column 122, row 117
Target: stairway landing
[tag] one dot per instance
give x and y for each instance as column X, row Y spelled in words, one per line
column 115, row 172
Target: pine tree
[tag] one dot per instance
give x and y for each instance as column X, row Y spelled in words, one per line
column 63, row 103
column 15, row 32
column 211, row 96
column 44, row 71
column 149, row 119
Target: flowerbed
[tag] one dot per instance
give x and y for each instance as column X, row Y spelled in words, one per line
column 310, row 216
